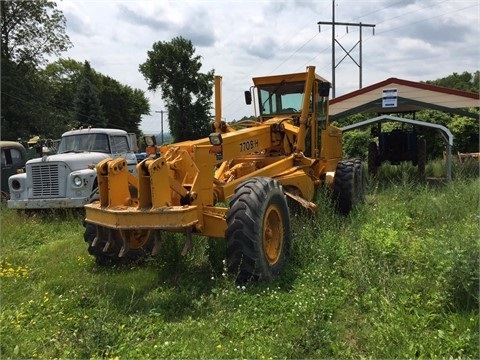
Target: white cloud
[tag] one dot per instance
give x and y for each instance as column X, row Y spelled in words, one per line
column 414, row 39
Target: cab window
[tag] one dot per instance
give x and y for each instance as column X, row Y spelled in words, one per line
column 119, row 144
column 285, row 98
column 11, row 157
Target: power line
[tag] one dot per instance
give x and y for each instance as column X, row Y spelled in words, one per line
column 423, row 20
column 347, row 53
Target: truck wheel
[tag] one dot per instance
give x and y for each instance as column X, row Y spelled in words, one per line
column 348, row 185
column 108, row 258
column 258, row 230
column 421, row 157
column 372, row 158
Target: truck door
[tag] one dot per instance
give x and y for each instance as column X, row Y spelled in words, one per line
column 12, row 160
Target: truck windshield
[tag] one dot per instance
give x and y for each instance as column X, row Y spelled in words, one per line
column 84, row 142
column 284, row 98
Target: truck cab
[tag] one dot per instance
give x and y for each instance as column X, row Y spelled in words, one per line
column 68, row 179
column 14, row 157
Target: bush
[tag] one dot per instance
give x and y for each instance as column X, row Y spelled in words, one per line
column 355, row 144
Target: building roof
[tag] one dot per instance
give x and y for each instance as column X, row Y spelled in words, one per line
column 411, row 96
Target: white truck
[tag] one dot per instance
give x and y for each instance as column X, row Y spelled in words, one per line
column 68, row 178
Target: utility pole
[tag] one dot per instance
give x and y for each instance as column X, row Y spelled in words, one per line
column 161, row 120
column 347, row 53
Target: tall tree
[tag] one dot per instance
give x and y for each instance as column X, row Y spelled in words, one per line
column 88, row 109
column 175, row 69
column 31, row 31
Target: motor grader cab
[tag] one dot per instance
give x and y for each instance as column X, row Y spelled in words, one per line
column 253, row 166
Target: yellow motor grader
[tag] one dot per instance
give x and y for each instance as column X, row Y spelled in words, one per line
column 257, row 168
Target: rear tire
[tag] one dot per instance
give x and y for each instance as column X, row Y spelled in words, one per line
column 349, row 185
column 360, row 181
column 258, row 230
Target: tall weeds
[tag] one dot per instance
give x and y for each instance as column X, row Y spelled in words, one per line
column 397, row 278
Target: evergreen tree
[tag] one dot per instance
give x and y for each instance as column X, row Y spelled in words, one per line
column 88, row 109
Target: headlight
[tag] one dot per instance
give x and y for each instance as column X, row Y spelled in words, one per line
column 77, row 181
column 16, row 184
column 215, row 139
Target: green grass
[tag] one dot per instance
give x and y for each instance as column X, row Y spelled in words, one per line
column 398, row 278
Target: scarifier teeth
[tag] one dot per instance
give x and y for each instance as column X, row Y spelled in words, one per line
column 107, row 246
column 95, row 241
column 125, row 248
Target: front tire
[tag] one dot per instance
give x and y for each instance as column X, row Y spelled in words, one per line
column 258, row 230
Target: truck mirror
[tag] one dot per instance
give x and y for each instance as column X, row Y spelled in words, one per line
column 248, row 97
column 324, row 89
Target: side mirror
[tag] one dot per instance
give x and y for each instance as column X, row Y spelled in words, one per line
column 324, row 89
column 150, row 140
column 248, row 97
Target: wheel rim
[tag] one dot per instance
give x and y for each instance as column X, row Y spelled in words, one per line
column 136, row 238
column 272, row 235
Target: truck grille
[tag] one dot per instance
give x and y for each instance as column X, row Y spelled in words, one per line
column 45, row 180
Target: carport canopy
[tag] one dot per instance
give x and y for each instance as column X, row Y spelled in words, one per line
column 409, row 97
column 399, row 96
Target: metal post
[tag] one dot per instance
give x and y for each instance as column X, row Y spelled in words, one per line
column 161, row 117
column 360, row 59
column 333, row 49
column 449, row 162
column 161, row 121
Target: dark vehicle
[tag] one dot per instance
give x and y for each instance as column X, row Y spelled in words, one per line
column 14, row 157
column 396, row 146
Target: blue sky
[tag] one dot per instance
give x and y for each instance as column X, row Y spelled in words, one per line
column 415, row 40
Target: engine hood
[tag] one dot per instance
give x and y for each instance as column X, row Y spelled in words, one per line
column 75, row 161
